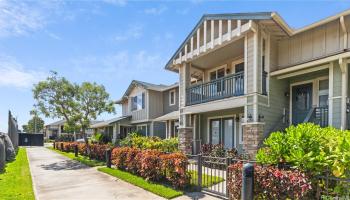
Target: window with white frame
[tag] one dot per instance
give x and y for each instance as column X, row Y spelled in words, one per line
column 142, row 129
column 172, row 97
column 138, row 101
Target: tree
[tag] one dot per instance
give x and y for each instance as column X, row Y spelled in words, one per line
column 78, row 104
column 35, row 124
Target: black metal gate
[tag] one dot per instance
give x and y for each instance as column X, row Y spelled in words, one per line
column 30, row 139
column 209, row 173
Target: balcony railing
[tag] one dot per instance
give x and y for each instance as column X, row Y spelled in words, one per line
column 318, row 115
column 228, row 86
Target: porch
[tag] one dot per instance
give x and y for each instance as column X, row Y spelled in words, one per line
column 218, row 127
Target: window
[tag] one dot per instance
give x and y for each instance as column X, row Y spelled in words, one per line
column 138, row 102
column 172, row 97
column 263, row 70
column 323, row 93
column 217, row 74
column 142, row 129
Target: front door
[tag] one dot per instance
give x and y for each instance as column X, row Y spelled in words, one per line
column 301, row 102
column 222, row 132
column 215, row 131
column 228, row 132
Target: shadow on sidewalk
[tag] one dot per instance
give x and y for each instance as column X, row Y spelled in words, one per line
column 64, row 165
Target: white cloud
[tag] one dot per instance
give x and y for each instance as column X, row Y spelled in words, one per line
column 23, row 17
column 132, row 32
column 13, row 74
column 156, row 11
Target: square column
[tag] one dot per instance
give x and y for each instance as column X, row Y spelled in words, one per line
column 253, row 136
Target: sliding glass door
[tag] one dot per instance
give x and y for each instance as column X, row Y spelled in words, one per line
column 222, row 132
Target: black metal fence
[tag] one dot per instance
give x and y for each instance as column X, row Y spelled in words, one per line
column 211, row 173
column 329, row 187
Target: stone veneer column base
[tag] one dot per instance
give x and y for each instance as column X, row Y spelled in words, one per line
column 185, row 139
column 253, row 134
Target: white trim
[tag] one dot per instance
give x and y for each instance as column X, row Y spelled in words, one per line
column 172, row 91
column 240, row 130
column 310, row 64
column 330, row 99
column 305, row 71
column 220, row 117
column 236, row 62
column 245, row 64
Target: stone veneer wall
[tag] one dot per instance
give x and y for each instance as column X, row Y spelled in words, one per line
column 253, row 135
column 185, row 140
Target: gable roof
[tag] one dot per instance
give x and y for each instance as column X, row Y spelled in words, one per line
column 274, row 16
column 234, row 16
column 147, row 86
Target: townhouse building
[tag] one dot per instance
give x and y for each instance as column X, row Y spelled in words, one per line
column 245, row 75
column 147, row 108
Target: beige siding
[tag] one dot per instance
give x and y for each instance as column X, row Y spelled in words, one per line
column 125, row 108
column 318, row 42
column 273, row 54
column 155, row 104
column 250, row 62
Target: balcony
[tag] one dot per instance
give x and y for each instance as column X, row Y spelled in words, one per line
column 228, row 86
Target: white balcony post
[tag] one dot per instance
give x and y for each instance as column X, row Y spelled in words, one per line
column 205, row 35
column 229, row 31
column 198, row 41
column 212, row 34
column 239, row 25
column 220, row 32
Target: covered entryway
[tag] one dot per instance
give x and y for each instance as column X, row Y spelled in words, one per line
column 301, row 102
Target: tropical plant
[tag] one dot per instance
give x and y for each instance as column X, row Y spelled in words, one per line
column 309, row 147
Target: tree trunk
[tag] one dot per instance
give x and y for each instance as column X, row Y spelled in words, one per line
column 86, row 141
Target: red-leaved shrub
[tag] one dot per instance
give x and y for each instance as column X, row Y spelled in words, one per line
column 151, row 165
column 174, row 166
column 119, row 156
column 270, row 182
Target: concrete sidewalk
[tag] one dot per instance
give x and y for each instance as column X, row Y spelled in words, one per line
column 56, row 177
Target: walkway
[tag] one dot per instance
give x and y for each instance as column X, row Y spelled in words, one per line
column 56, row 177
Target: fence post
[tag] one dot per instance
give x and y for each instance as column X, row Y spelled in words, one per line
column 228, row 163
column 199, row 157
column 76, row 150
column 54, row 146
column 108, row 158
column 61, row 146
column 248, row 182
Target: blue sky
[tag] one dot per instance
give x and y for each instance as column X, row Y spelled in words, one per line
column 110, row 42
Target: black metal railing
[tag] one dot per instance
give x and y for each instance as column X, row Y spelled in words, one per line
column 228, row 86
column 330, row 187
column 318, row 115
column 264, row 83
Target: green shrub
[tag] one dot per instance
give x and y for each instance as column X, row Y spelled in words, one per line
column 309, row 147
column 142, row 142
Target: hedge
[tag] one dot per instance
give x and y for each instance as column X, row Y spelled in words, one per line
column 153, row 165
column 270, row 182
column 97, row 151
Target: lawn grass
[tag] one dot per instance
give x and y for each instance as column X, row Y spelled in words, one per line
column 207, row 180
column 156, row 188
column 16, row 181
column 83, row 159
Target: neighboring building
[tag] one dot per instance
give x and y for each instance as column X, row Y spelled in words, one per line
column 56, row 129
column 243, row 76
column 147, row 108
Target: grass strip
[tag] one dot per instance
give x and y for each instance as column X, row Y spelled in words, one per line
column 207, row 180
column 83, row 159
column 156, row 188
column 16, row 181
